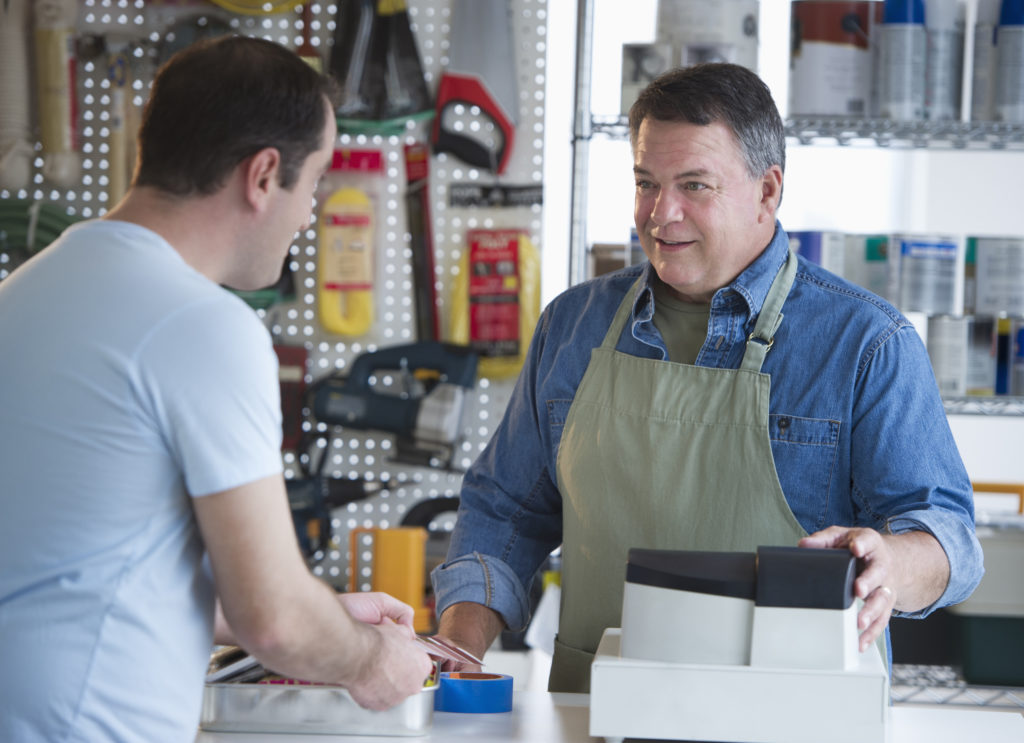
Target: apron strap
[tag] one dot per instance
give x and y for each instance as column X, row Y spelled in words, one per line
column 770, row 318
column 611, row 338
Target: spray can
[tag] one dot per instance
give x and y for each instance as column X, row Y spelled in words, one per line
column 1017, row 370
column 1010, row 63
column 944, row 32
column 903, row 60
column 983, row 61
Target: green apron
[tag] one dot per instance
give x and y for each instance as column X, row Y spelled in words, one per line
column 663, row 456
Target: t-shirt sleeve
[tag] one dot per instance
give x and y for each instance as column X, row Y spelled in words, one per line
column 208, row 377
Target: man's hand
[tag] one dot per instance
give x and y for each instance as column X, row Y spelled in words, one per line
column 895, row 571
column 397, row 667
column 373, row 607
column 472, row 627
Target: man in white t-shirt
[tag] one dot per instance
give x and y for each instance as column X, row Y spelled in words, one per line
column 140, row 429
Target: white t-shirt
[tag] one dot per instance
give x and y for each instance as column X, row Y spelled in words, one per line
column 128, row 382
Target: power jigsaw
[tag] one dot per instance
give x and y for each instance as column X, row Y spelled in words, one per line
column 416, row 391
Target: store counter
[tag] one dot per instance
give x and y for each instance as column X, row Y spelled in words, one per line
column 540, row 717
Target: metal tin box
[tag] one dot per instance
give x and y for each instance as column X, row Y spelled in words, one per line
column 274, row 708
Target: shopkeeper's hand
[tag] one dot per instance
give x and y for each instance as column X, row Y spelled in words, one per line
column 372, row 607
column 875, row 581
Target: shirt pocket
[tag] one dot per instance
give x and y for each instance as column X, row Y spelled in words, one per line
column 558, row 412
column 804, row 450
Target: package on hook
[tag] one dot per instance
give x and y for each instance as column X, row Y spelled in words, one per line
column 349, row 197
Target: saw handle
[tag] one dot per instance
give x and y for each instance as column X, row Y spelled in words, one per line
column 455, row 90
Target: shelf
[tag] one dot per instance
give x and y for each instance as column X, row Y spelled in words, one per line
column 1002, row 405
column 955, row 135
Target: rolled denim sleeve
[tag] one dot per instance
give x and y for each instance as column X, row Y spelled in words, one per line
column 961, row 546
column 482, row 579
column 908, row 474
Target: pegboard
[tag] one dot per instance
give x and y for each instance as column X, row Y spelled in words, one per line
column 146, row 33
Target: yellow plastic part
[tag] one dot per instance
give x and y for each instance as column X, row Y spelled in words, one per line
column 257, row 7
column 501, row 367
column 345, row 254
column 398, row 567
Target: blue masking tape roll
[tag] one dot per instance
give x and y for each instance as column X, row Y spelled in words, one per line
column 473, row 692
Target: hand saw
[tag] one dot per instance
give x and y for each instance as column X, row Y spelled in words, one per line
column 480, row 73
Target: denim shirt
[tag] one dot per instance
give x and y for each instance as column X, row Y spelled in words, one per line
column 858, row 431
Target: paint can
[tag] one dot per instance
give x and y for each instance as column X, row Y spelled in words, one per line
column 699, row 31
column 924, row 272
column 999, row 275
column 866, row 262
column 962, row 354
column 830, row 63
column 947, row 350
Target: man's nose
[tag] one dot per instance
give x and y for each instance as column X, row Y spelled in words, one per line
column 668, row 207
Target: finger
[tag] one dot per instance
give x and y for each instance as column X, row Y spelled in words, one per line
column 874, row 615
column 830, row 537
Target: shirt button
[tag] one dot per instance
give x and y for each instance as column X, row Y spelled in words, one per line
column 783, row 423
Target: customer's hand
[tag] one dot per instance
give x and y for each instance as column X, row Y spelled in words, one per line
column 373, row 607
column 396, row 667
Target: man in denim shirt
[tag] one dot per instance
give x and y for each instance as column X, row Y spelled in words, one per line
column 724, row 395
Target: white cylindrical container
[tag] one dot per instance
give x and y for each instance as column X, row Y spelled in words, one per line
column 903, row 58
column 944, row 31
column 947, row 350
column 1010, row 63
column 830, row 64
column 699, row 31
column 983, row 65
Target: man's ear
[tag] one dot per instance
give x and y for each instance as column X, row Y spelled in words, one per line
column 260, row 172
column 771, row 191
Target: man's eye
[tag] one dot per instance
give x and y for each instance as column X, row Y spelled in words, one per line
column 694, row 186
column 644, row 185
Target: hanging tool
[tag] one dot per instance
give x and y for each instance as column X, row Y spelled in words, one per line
column 375, row 59
column 120, row 91
column 306, row 50
column 15, row 119
column 55, row 83
column 423, row 408
column 480, row 73
column 311, row 501
column 417, row 213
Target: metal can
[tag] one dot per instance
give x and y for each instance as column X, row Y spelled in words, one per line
column 923, row 273
column 699, row 31
column 999, row 275
column 830, row 70
column 962, row 353
column 947, row 349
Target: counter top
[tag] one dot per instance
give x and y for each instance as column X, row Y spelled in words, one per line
column 540, row 717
